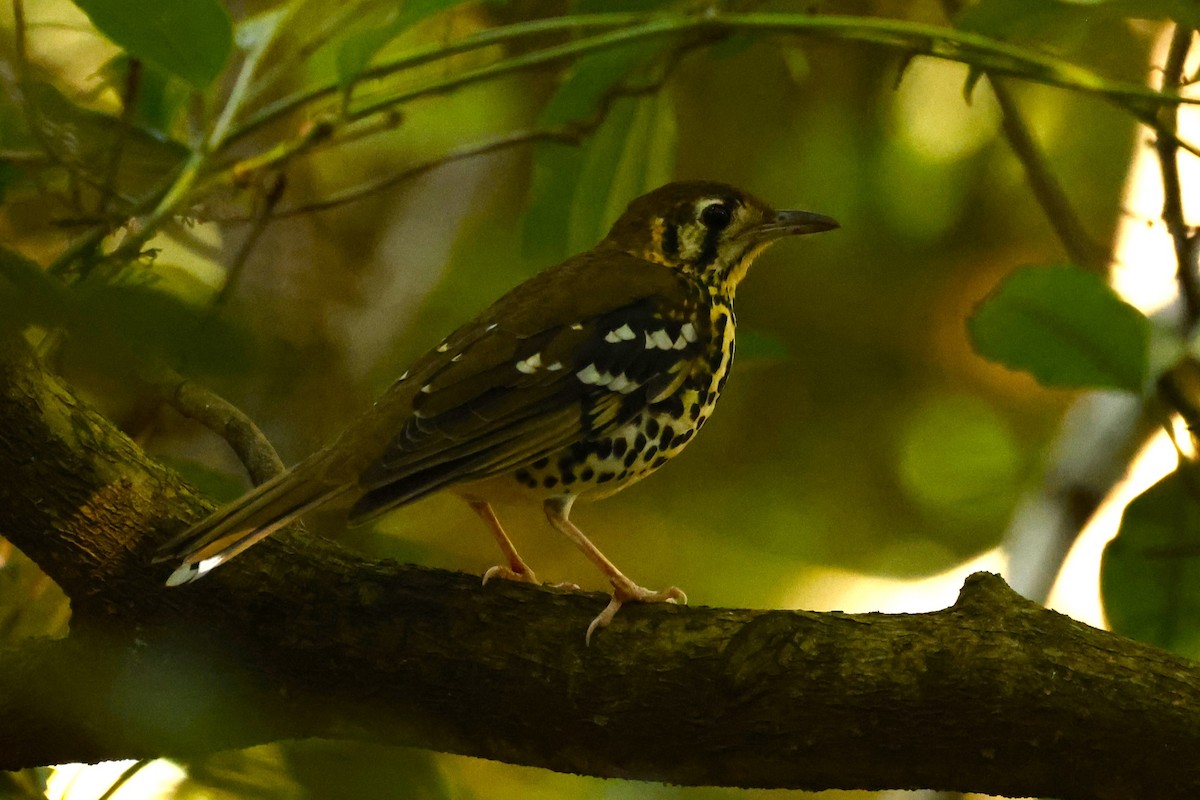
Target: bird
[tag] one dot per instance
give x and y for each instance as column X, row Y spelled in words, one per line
column 574, row 385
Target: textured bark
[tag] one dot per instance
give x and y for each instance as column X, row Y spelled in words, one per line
column 299, row 638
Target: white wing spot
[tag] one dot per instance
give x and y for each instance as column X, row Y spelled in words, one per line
column 457, row 357
column 689, row 331
column 443, row 347
column 590, row 375
column 621, row 334
column 555, row 367
column 576, row 326
column 490, row 328
column 659, row 339
column 402, row 377
column 681, row 342
column 530, row 365
column 427, row 388
column 619, row 383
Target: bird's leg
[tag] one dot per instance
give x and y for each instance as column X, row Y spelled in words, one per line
column 517, row 569
column 624, row 590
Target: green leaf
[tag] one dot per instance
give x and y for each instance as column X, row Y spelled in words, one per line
column 160, row 98
column 379, row 26
column 1150, row 573
column 1052, row 21
column 188, row 38
column 1066, row 326
column 577, row 192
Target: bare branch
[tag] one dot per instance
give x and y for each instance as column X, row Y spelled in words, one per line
column 229, row 422
column 1168, row 154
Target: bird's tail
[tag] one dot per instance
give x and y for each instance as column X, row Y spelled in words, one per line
column 244, row 522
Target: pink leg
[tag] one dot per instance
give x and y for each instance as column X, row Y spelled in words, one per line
column 517, row 569
column 624, row 590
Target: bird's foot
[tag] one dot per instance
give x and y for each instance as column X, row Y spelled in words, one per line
column 520, row 573
column 630, row 592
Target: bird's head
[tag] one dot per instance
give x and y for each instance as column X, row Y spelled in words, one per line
column 710, row 230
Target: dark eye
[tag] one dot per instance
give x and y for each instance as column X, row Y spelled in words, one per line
column 716, row 216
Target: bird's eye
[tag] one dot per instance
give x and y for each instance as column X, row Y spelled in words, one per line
column 716, row 216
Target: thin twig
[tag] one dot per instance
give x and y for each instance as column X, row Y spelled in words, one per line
column 1080, row 247
column 262, row 218
column 226, row 420
column 1168, row 159
column 362, row 191
column 123, row 778
column 129, row 97
column 573, row 133
column 429, row 54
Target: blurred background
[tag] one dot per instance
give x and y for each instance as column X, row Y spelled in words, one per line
column 863, row 457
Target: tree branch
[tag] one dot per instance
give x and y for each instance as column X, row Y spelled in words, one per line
column 300, row 638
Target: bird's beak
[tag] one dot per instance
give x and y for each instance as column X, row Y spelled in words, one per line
column 793, row 223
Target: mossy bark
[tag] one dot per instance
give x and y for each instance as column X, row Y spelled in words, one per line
column 300, row 638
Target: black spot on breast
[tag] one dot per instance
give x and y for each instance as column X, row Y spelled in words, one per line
column 523, row 477
column 587, row 474
column 541, row 463
column 694, row 411
column 650, row 453
column 639, row 444
column 668, row 433
column 673, row 405
column 603, row 448
column 658, row 462
column 652, row 427
column 631, row 457
column 605, row 477
column 683, row 438
column 619, row 446
column 550, row 482
column 721, row 382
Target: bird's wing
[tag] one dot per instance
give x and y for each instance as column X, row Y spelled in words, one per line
column 609, row 333
column 536, row 373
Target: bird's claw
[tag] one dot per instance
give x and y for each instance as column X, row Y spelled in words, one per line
column 523, row 574
column 632, row 593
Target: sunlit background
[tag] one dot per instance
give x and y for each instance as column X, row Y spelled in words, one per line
column 864, row 459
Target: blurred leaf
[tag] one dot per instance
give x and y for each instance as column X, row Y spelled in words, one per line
column 1066, row 326
column 160, row 322
column 379, row 25
column 1150, row 573
column 592, row 77
column 1049, row 21
column 85, row 138
column 257, row 773
column 600, row 6
column 331, row 770
column 161, row 95
column 578, row 192
column 189, row 38
column 633, row 152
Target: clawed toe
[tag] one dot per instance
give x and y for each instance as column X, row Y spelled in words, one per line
column 524, row 575
column 632, row 593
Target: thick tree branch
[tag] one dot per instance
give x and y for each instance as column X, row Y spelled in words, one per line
column 301, row 639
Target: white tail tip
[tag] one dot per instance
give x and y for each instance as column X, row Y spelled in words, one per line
column 190, row 572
